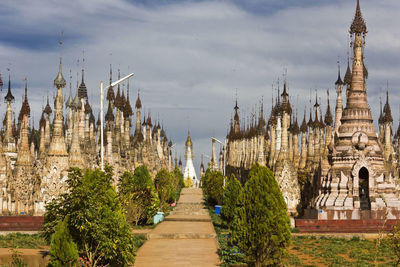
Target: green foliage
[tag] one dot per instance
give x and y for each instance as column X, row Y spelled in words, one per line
column 97, row 220
column 177, row 179
column 165, row 189
column 394, row 241
column 17, row 260
column 63, row 250
column 213, row 184
column 230, row 196
column 18, row 240
column 138, row 195
column 261, row 227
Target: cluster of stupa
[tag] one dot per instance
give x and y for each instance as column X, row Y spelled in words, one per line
column 332, row 166
column 33, row 167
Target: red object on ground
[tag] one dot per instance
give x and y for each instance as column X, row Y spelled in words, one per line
column 173, row 204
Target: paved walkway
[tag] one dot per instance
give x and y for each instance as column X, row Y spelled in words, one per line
column 185, row 238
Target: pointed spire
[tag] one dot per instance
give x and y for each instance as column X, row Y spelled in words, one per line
column 339, row 79
column 328, row 114
column 110, row 92
column 25, row 108
column 188, row 140
column 127, row 108
column 380, row 120
column 82, row 91
column 347, row 76
column 47, row 108
column 109, row 114
column 9, row 97
column 310, row 120
column 358, row 25
column 76, row 103
column 88, row 108
column 138, row 101
column 387, row 117
column 59, row 81
column 118, row 100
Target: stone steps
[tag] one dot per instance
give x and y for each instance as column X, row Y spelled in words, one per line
column 186, row 237
column 188, row 218
column 181, row 236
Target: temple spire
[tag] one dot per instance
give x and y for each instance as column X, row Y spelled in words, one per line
column 358, row 25
column 339, row 79
column 328, row 114
column 59, row 81
column 387, row 112
column 9, row 97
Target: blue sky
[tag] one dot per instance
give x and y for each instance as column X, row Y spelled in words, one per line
column 190, row 57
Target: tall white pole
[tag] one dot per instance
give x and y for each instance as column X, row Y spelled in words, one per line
column 101, row 126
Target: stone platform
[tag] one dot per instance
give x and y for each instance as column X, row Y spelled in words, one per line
column 185, row 238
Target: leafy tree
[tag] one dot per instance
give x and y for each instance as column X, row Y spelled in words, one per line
column 261, row 227
column 214, row 187
column 97, row 220
column 138, row 195
column 231, row 193
column 177, row 179
column 63, row 250
column 164, row 188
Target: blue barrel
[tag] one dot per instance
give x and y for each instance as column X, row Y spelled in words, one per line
column 217, row 210
column 159, row 217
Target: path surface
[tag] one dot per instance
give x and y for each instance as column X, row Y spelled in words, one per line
column 185, row 238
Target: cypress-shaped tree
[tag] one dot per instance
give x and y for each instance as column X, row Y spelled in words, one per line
column 63, row 250
column 231, row 193
column 261, row 227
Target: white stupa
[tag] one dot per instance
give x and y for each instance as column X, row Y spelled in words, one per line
column 189, row 171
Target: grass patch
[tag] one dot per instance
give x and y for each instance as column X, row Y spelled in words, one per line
column 330, row 251
column 18, row 240
column 139, row 240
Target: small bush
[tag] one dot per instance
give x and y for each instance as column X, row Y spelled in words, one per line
column 63, row 250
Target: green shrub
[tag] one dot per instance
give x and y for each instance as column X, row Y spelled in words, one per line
column 177, row 179
column 213, row 184
column 63, row 250
column 165, row 189
column 97, row 220
column 261, row 227
column 230, row 196
column 138, row 196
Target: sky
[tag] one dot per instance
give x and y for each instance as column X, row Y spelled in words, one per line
column 191, row 58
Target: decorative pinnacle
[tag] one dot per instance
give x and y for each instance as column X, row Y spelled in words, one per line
column 339, row 79
column 358, row 25
column 59, row 81
column 9, row 97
